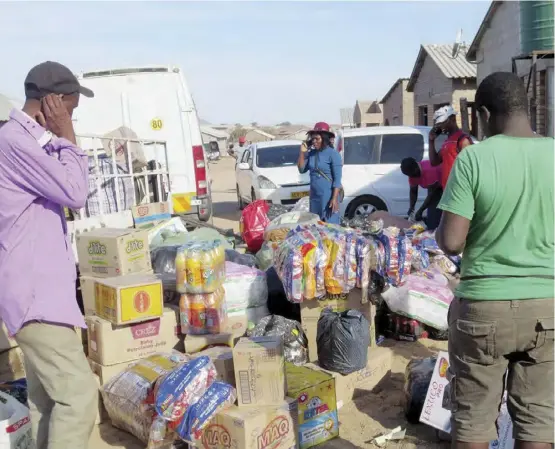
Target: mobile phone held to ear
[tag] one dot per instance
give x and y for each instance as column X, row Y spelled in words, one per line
column 437, row 131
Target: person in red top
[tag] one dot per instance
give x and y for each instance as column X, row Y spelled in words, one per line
column 445, row 122
column 425, row 175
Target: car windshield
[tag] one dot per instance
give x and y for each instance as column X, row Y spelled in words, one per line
column 273, row 157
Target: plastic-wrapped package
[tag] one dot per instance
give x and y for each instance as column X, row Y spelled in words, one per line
column 251, row 316
column 421, row 298
column 200, row 267
column 295, row 342
column 420, row 259
column 342, row 340
column 265, row 257
column 427, row 241
column 335, row 243
column 278, row 228
column 244, row 287
column 177, row 390
column 362, row 254
column 15, row 424
column 254, row 220
column 303, row 205
column 300, row 262
column 444, row 264
column 247, row 260
column 418, row 376
column 398, row 255
column 203, row 313
column 125, row 395
column 217, row 397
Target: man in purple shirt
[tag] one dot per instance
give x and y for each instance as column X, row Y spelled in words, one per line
column 42, row 171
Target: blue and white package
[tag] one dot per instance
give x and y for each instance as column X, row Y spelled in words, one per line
column 218, row 397
column 182, row 387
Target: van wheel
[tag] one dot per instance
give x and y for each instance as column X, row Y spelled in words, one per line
column 208, row 214
column 364, row 205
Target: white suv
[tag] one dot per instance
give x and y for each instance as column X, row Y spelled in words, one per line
column 372, row 177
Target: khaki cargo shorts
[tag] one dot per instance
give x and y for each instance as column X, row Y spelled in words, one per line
column 493, row 343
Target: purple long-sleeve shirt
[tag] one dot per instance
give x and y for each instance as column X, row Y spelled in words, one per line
column 39, row 176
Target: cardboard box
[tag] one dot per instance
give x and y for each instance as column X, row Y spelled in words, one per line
column 259, row 371
column 222, row 357
column 311, row 310
column 149, row 215
column 108, row 252
column 105, row 373
column 437, row 413
column 6, row 342
column 355, row 384
column 87, row 292
column 314, row 391
column 12, row 365
column 110, row 344
column 129, row 299
column 235, row 329
column 259, row 427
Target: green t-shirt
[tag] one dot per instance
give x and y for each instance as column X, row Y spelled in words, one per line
column 504, row 185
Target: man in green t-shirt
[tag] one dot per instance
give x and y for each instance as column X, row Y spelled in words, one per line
column 498, row 211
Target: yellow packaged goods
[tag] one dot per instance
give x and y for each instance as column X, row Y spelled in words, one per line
column 203, row 313
column 110, row 345
column 222, row 357
column 352, row 385
column 315, row 394
column 200, row 267
column 125, row 395
column 261, row 427
column 107, row 252
column 129, row 299
column 259, row 371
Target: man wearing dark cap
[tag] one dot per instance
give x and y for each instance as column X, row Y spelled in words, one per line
column 42, row 171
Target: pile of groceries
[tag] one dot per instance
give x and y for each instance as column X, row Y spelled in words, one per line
column 193, row 342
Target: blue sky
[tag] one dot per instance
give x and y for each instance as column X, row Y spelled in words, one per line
column 244, row 61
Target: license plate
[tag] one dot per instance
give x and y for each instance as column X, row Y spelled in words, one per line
column 299, row 194
column 196, row 202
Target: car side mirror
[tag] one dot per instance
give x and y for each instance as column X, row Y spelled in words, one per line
column 243, row 166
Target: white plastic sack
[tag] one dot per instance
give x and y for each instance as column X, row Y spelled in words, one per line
column 15, row 424
column 303, row 205
column 421, row 298
column 290, row 220
column 244, row 287
column 252, row 314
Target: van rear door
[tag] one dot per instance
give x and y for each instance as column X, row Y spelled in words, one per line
column 156, row 104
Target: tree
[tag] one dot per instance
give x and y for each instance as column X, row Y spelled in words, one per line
column 237, row 132
column 284, row 124
column 254, row 124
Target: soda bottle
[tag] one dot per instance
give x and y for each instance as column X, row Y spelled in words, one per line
column 194, row 269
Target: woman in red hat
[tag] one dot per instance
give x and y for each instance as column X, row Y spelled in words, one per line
column 318, row 157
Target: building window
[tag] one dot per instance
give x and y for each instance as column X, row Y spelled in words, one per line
column 423, row 115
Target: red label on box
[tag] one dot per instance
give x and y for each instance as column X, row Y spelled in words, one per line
column 145, row 330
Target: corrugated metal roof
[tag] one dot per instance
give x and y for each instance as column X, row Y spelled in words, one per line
column 346, row 115
column 452, row 68
column 213, row 132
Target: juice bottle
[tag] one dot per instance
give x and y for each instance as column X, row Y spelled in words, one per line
column 193, row 314
column 194, row 269
column 209, row 262
column 216, row 315
column 180, row 271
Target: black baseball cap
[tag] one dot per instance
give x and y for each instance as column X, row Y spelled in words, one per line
column 53, row 78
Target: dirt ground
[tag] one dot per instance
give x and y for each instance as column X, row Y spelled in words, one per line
column 360, row 421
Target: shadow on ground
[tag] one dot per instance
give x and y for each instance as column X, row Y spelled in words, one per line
column 227, row 210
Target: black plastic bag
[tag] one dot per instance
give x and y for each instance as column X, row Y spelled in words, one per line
column 295, row 343
column 163, row 259
column 343, row 340
column 277, row 300
column 247, row 260
column 418, row 376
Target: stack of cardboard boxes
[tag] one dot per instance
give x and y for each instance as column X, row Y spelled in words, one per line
column 123, row 301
